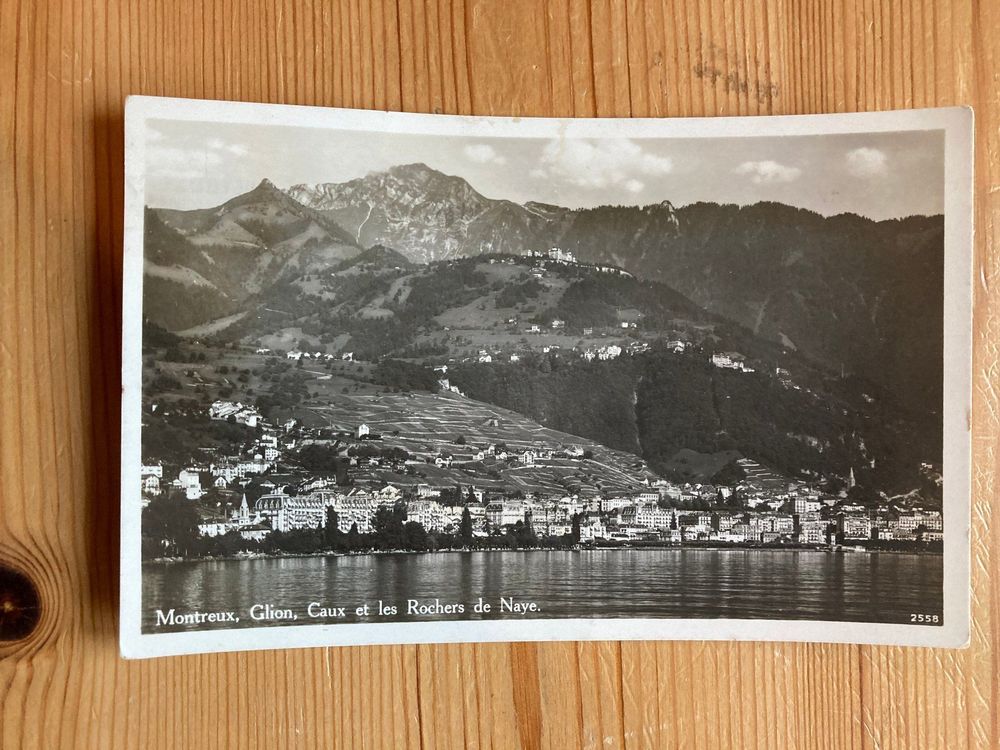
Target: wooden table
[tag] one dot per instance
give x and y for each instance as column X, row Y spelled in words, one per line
column 65, row 68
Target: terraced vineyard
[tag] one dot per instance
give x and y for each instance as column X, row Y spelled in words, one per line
column 426, row 425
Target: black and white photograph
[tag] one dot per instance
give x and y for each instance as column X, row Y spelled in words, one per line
column 412, row 378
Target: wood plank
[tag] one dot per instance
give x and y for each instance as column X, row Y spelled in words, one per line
column 65, row 67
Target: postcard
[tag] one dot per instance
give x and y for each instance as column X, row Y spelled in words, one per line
column 401, row 378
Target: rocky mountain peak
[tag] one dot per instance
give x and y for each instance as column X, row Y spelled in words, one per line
column 408, row 183
column 265, row 191
column 414, row 169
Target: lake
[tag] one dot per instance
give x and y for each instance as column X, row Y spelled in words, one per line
column 662, row 583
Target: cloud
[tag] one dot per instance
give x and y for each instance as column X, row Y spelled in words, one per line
column 180, row 163
column 237, row 149
column 188, row 162
column 600, row 164
column 768, row 172
column 483, row 154
column 866, row 162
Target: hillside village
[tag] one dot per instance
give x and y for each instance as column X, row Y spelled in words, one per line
column 452, row 489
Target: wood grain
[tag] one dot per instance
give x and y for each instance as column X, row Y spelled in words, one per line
column 65, row 68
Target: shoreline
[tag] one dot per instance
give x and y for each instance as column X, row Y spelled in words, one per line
column 642, row 548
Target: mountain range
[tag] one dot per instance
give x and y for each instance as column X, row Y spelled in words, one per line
column 206, row 264
column 860, row 297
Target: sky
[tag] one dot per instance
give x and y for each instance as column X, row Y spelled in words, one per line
column 879, row 175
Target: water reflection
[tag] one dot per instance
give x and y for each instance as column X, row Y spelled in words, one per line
column 695, row 583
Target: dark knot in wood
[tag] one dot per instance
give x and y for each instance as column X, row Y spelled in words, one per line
column 20, row 605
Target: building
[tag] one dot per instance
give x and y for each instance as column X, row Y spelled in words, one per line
column 363, row 431
column 910, row 522
column 151, row 485
column 732, row 536
column 612, row 351
column 189, row 480
column 151, row 476
column 252, row 466
column 215, row 528
column 256, row 532
column 803, row 505
column 429, row 514
column 563, row 256
column 389, row 494
column 354, row 508
column 223, row 409
column 287, row 512
column 647, row 516
column 592, row 528
column 505, row 512
column 726, row 521
column 240, row 413
column 853, row 526
column 731, row 361
column 611, row 503
column 813, row 532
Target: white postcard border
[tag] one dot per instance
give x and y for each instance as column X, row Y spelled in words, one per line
column 956, row 122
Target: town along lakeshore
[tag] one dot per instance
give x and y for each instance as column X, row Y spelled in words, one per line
column 587, row 583
column 394, row 462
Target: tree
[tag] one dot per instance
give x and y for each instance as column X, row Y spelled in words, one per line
column 451, row 495
column 320, row 459
column 388, row 526
column 173, row 522
column 229, row 543
column 465, row 528
column 331, row 530
column 414, row 536
column 460, row 440
column 576, row 528
column 520, row 535
column 731, row 473
column 353, row 538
